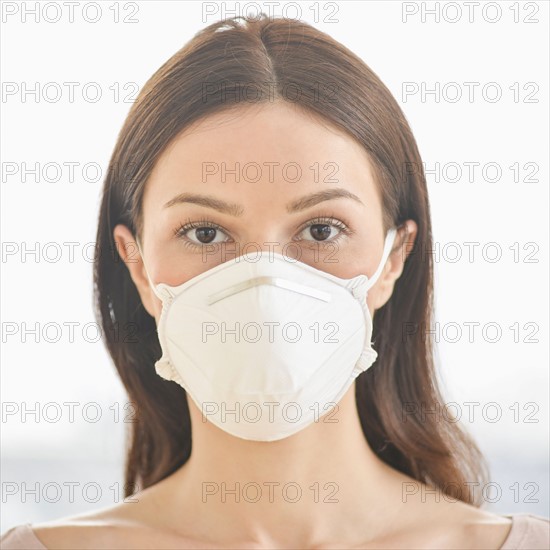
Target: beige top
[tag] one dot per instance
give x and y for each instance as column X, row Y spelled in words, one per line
column 528, row 532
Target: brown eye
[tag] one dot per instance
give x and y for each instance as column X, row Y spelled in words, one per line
column 320, row 231
column 201, row 233
column 205, row 235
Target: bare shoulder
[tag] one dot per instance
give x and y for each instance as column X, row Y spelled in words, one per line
column 463, row 526
column 70, row 533
column 482, row 529
column 116, row 527
column 426, row 519
column 100, row 528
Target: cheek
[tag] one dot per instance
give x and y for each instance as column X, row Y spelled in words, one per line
column 174, row 268
column 151, row 303
column 358, row 254
column 174, row 271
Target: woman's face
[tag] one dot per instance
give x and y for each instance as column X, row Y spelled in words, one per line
column 265, row 178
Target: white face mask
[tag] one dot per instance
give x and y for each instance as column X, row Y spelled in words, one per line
column 265, row 345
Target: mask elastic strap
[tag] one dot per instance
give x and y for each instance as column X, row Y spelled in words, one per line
column 146, row 272
column 388, row 243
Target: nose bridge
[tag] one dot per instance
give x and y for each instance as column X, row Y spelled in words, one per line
column 266, row 235
column 267, row 240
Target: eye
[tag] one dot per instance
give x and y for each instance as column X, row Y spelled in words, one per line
column 323, row 229
column 201, row 232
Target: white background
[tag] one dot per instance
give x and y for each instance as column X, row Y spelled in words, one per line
column 35, row 290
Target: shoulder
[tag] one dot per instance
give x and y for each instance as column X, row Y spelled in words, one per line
column 60, row 534
column 19, row 537
column 452, row 524
column 121, row 526
column 529, row 531
column 456, row 525
column 481, row 529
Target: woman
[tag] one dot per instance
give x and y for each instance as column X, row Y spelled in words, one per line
column 267, row 200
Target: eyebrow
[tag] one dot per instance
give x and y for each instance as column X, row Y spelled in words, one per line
column 236, row 210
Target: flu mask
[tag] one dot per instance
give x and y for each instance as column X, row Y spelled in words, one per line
column 266, row 345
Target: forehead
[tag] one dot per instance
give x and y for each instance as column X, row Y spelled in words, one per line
column 256, row 133
column 273, row 143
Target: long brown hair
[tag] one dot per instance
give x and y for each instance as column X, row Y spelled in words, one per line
column 286, row 60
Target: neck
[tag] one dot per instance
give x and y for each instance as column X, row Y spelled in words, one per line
column 321, row 485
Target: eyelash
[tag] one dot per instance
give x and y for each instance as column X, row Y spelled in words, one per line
column 328, row 220
column 319, row 220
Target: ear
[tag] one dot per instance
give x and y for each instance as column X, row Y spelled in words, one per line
column 129, row 252
column 402, row 247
